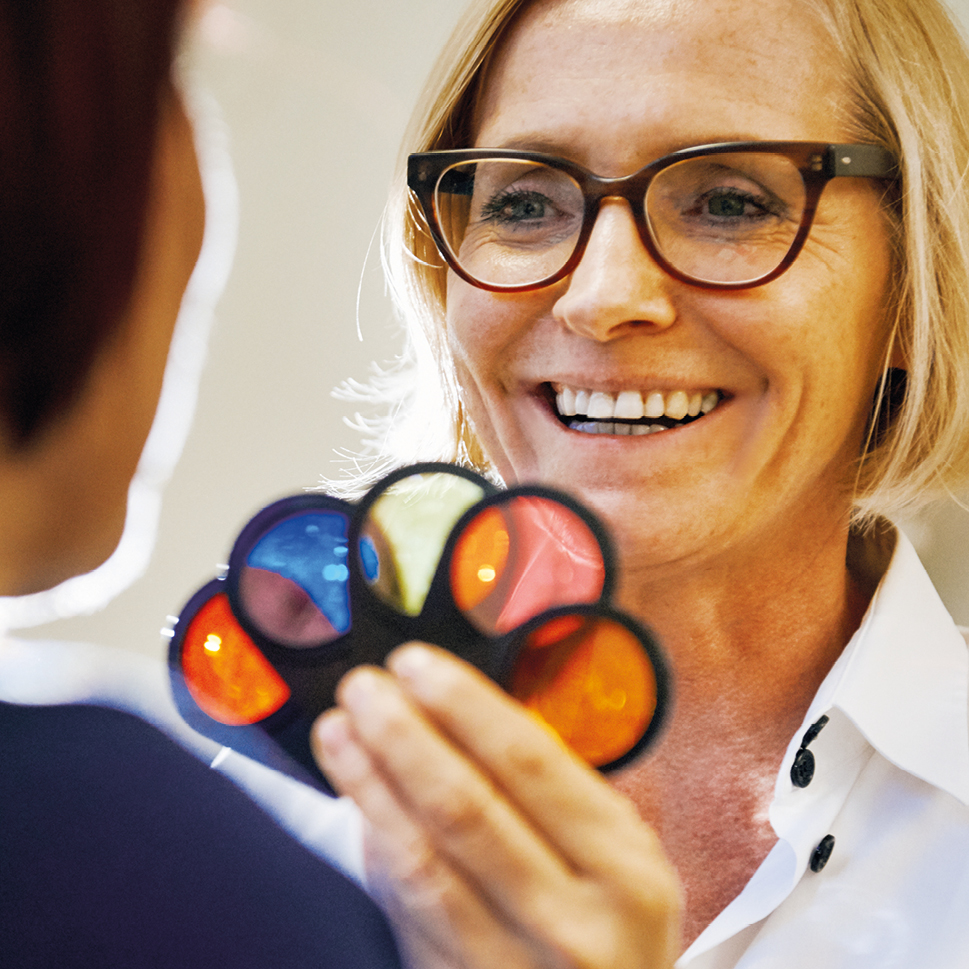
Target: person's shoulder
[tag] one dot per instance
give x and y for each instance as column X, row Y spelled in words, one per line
column 110, row 817
column 101, row 752
column 70, row 726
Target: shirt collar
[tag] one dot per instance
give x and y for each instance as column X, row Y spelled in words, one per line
column 901, row 688
column 904, row 681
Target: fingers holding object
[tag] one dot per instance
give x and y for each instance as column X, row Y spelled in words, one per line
column 573, row 807
column 492, row 829
column 390, row 742
column 442, row 917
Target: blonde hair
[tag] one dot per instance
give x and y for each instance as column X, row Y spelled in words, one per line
column 908, row 71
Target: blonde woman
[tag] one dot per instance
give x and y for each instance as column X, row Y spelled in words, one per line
column 705, row 267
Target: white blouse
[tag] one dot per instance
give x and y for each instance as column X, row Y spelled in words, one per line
column 885, row 816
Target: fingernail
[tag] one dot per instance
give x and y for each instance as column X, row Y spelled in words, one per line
column 410, row 661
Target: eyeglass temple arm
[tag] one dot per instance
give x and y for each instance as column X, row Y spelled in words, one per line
column 862, row 161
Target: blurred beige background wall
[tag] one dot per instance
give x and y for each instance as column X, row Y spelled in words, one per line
column 315, row 94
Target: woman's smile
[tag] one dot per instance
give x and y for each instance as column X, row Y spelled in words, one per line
column 629, row 413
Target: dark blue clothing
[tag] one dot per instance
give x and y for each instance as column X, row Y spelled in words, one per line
column 118, row 849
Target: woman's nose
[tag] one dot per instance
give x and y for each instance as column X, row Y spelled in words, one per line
column 617, row 286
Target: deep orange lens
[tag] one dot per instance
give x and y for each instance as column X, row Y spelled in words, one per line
column 591, row 680
column 479, row 559
column 226, row 674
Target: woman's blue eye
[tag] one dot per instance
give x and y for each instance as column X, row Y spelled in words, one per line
column 515, row 207
column 730, row 204
column 726, row 206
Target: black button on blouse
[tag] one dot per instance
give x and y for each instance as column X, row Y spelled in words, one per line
column 821, row 854
column 802, row 770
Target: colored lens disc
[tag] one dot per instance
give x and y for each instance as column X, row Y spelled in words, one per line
column 405, row 532
column 520, row 557
column 591, row 680
column 294, row 584
column 226, row 674
column 479, row 559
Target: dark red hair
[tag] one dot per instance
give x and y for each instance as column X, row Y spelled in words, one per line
column 80, row 87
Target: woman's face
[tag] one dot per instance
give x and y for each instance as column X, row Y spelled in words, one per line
column 613, row 85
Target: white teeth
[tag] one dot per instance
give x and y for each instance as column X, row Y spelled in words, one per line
column 677, row 405
column 599, row 406
column 654, row 406
column 565, row 401
column 629, row 404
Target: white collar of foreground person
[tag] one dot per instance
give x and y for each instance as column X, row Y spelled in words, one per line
column 891, row 788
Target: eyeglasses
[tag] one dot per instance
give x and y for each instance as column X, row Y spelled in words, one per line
column 516, row 582
column 724, row 216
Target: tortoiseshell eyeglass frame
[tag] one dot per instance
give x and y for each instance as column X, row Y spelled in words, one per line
column 817, row 162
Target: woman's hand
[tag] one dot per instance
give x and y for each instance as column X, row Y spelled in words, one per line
column 491, row 845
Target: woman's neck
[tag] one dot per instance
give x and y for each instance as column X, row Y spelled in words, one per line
column 749, row 643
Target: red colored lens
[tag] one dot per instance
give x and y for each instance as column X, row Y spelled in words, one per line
column 521, row 557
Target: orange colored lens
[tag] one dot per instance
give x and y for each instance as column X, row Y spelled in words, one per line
column 590, row 679
column 479, row 559
column 226, row 674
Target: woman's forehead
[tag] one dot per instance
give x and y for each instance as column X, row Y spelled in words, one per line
column 589, row 12
column 732, row 25
column 764, row 70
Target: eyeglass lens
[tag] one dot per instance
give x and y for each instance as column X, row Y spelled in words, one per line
column 294, row 582
column 720, row 218
column 587, row 677
column 225, row 672
column 404, row 534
